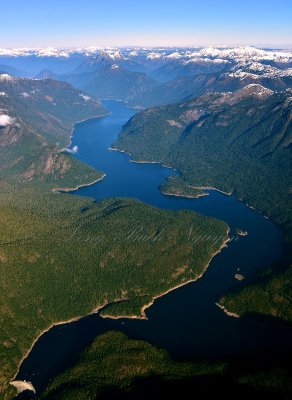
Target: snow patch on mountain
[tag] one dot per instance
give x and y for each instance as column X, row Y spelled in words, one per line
column 207, row 60
column 85, row 97
column 257, row 90
column 245, row 53
column 154, row 56
column 52, row 52
column 242, row 75
column 251, row 90
column 6, row 77
column 255, row 70
column 134, row 53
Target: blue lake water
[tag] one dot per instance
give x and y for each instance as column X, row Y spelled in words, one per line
column 186, row 321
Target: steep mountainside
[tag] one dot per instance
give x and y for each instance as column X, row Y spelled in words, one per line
column 35, row 119
column 240, row 143
column 110, row 81
column 235, row 78
column 192, row 67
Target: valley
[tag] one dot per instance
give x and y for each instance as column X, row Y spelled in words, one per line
column 49, row 240
column 179, row 135
column 183, row 321
column 129, row 230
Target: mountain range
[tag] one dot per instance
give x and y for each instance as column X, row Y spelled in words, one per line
column 133, row 74
column 220, row 116
column 229, row 80
column 239, row 142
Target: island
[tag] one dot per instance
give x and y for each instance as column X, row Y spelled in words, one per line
column 241, row 232
column 176, row 186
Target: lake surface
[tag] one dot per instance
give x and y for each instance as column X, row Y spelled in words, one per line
column 186, row 321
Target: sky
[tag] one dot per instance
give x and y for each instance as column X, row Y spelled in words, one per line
column 149, row 23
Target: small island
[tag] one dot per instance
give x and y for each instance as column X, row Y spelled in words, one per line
column 239, row 277
column 176, row 186
column 241, row 232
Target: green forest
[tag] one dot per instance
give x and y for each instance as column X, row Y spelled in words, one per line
column 239, row 143
column 63, row 256
column 117, row 367
column 176, row 186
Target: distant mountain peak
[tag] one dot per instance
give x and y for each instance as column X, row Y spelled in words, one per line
column 115, row 53
column 252, row 90
column 7, row 77
column 255, row 89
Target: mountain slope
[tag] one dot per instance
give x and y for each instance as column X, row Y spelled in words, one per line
column 240, row 143
column 37, row 116
column 116, row 367
column 110, row 81
column 61, row 256
column 213, row 138
column 192, row 67
column 161, row 64
column 233, row 79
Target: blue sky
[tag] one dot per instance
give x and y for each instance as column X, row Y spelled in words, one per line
column 73, row 23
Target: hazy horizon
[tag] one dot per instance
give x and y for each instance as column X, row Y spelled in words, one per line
column 282, row 47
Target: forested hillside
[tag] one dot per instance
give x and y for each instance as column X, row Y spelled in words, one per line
column 237, row 142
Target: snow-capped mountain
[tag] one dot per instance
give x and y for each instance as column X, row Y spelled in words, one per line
column 256, row 69
column 232, row 78
column 227, row 54
column 242, row 53
column 124, row 73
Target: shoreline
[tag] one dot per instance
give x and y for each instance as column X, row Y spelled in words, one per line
column 185, row 196
column 143, row 313
column 195, row 187
column 67, row 190
column 214, row 188
column 224, row 244
column 141, row 161
column 229, row 313
column 64, row 322
column 144, row 308
column 98, row 309
column 22, row 385
column 231, row 194
column 59, row 190
column 152, row 162
column 80, row 122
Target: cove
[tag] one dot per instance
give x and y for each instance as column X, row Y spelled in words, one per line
column 186, row 321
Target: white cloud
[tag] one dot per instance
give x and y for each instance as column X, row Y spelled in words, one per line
column 5, row 120
column 74, row 150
